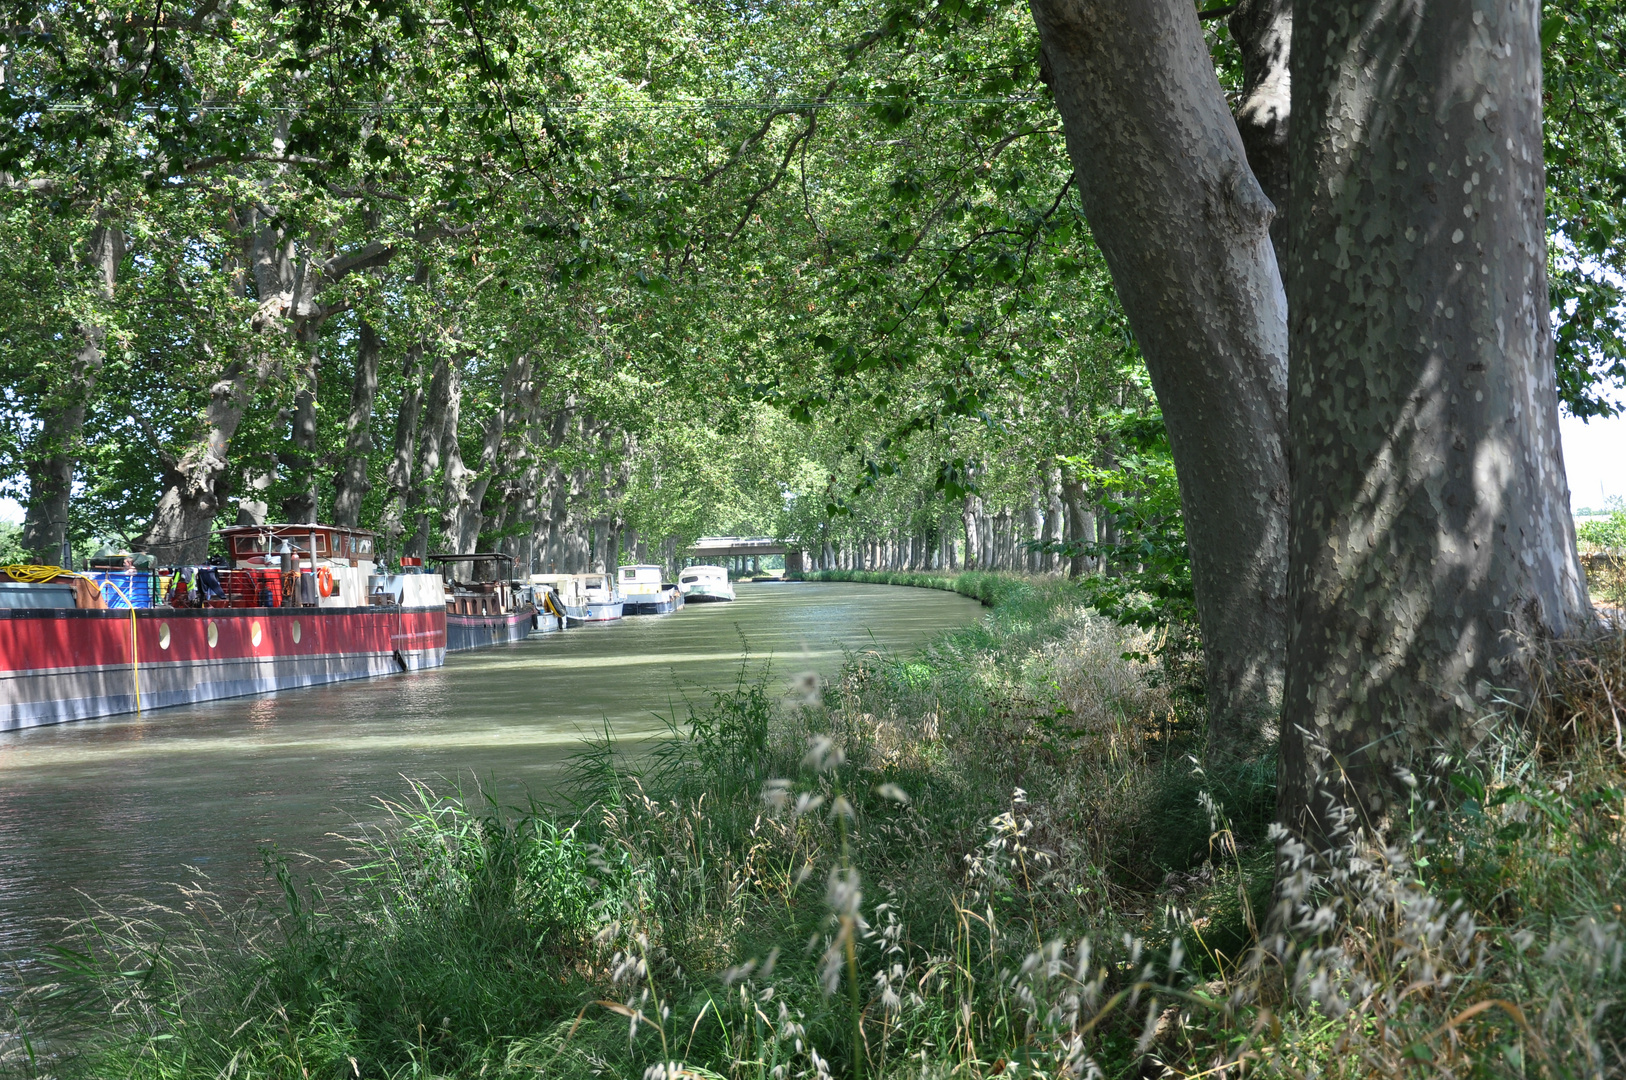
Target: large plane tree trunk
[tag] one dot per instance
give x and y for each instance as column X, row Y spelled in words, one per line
column 195, row 484
column 350, row 486
column 511, row 402
column 300, row 460
column 54, row 453
column 1263, row 31
column 430, row 442
column 969, row 516
column 1171, row 201
column 455, row 501
column 398, row 474
column 1430, row 520
column 1080, row 526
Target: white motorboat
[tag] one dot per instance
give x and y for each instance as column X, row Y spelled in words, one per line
column 703, row 584
column 604, row 601
column 644, row 593
column 584, row 598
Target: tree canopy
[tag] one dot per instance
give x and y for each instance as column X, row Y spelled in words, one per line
column 520, row 273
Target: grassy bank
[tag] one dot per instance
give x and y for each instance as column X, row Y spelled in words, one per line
column 989, row 588
column 993, row 857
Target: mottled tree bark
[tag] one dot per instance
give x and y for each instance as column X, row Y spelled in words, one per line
column 454, row 474
column 1263, row 31
column 350, row 485
column 1184, row 228
column 299, row 462
column 515, row 392
column 1054, row 521
column 1431, row 533
column 398, row 474
column 252, row 505
column 429, row 448
column 1036, row 528
column 1080, row 525
column 195, row 484
column 54, row 452
column 970, row 515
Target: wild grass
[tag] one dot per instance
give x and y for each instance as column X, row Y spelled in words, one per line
column 997, row 856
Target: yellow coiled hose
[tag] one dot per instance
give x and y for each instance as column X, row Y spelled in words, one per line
column 34, row 574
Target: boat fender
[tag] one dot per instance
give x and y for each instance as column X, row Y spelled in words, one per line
column 324, row 581
column 401, row 660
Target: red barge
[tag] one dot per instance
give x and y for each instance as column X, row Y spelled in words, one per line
column 300, row 606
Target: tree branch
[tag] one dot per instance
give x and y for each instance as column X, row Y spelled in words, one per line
column 233, row 159
column 374, row 254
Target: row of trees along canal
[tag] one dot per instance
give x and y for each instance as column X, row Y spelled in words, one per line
column 909, row 286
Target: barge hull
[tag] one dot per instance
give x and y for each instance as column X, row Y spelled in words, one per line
column 598, row 612
column 157, row 658
column 464, row 632
column 653, row 605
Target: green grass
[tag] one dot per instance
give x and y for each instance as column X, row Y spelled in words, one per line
column 992, row 589
column 996, row 856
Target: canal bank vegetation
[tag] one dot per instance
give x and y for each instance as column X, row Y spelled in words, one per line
column 996, row 856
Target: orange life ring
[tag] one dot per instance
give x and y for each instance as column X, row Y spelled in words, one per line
column 324, row 581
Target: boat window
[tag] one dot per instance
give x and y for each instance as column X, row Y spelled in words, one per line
column 249, row 545
column 363, row 545
column 689, row 579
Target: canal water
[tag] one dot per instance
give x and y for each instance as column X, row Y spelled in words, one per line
column 122, row 806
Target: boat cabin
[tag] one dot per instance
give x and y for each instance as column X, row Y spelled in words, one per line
column 263, row 545
column 640, row 580
column 481, row 583
column 600, row 588
column 570, row 588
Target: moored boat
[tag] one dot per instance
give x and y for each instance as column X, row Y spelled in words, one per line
column 604, row 602
column 704, row 584
column 484, row 606
column 299, row 605
column 550, row 611
column 644, row 593
column 568, row 595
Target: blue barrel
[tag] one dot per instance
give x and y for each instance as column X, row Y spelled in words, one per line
column 126, row 588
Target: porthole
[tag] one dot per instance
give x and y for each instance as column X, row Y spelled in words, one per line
column 296, row 631
column 163, row 635
column 254, row 633
column 214, row 634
